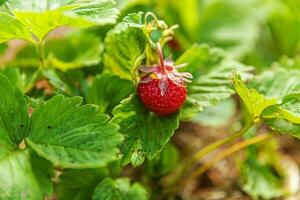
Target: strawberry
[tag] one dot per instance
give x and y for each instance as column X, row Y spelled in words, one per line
column 162, row 89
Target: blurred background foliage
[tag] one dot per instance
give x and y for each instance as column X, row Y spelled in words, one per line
column 256, row 32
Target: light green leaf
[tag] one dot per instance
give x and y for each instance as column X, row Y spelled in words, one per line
column 79, row 184
column 119, row 189
column 15, row 30
column 287, row 109
column 24, row 175
column 108, row 90
column 277, row 82
column 254, row 102
column 78, row 49
column 211, row 116
column 125, row 46
column 212, row 70
column 284, row 126
column 79, row 14
column 73, row 136
column 259, row 179
column 285, row 116
column 144, row 132
column 14, row 119
column 41, row 5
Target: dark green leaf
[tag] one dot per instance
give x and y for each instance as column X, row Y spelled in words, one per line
column 108, row 90
column 125, row 46
column 69, row 83
column 14, row 119
column 212, row 70
column 145, row 133
column 17, row 77
column 73, row 135
column 164, row 162
column 79, row 184
column 119, row 189
column 3, row 48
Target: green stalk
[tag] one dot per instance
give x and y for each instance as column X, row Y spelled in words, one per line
column 228, row 151
column 174, row 177
column 37, row 75
column 203, row 152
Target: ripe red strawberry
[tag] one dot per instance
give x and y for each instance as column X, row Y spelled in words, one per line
column 162, row 90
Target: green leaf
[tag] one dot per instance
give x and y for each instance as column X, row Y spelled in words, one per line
column 164, row 162
column 27, row 57
column 211, row 116
column 71, row 135
column 119, row 189
column 24, row 175
column 277, row 82
column 254, row 102
column 79, row 184
column 285, row 116
column 31, row 5
column 17, row 77
column 259, row 178
column 78, row 49
column 3, row 48
column 212, row 70
column 145, row 133
column 288, row 109
column 15, row 30
column 2, row 2
column 14, row 119
column 71, row 83
column 230, row 25
column 201, row 59
column 41, row 18
column 125, row 46
column 108, row 90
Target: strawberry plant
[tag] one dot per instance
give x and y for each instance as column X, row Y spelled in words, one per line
column 97, row 98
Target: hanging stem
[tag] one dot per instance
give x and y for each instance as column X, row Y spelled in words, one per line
column 161, row 58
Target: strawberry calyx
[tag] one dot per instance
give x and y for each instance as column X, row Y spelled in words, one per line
column 164, row 71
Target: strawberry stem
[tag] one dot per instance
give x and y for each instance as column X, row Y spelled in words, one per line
column 161, row 59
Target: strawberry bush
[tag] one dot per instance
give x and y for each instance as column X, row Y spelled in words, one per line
column 97, row 99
